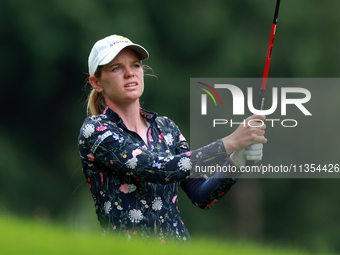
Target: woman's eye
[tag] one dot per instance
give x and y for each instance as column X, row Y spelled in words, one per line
column 136, row 65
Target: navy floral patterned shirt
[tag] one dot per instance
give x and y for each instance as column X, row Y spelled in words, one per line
column 135, row 187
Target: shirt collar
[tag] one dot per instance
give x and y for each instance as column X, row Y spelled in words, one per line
column 148, row 115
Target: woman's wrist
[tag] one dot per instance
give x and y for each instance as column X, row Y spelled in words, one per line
column 229, row 145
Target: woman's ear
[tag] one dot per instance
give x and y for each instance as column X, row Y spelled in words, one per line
column 95, row 83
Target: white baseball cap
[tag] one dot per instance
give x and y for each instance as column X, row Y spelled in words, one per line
column 106, row 49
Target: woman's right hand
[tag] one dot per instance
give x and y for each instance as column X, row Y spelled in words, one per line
column 247, row 133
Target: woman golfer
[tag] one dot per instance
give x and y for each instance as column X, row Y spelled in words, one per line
column 135, row 162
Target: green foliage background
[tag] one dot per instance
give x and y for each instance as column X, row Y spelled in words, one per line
column 44, row 48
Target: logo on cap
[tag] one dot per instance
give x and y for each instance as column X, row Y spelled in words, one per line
column 117, row 40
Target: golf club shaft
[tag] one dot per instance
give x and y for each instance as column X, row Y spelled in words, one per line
column 269, row 55
column 266, row 68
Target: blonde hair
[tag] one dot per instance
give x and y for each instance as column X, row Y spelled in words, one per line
column 96, row 102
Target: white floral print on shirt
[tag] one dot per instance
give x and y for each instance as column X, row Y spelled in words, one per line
column 184, row 164
column 135, row 215
column 157, row 204
column 88, row 130
column 169, row 139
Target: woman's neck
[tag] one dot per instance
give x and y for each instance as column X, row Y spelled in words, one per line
column 130, row 114
column 132, row 119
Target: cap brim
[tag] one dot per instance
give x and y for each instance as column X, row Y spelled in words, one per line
column 141, row 52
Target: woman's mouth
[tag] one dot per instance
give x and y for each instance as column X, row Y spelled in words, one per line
column 130, row 85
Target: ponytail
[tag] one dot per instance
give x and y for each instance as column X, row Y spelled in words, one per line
column 96, row 102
